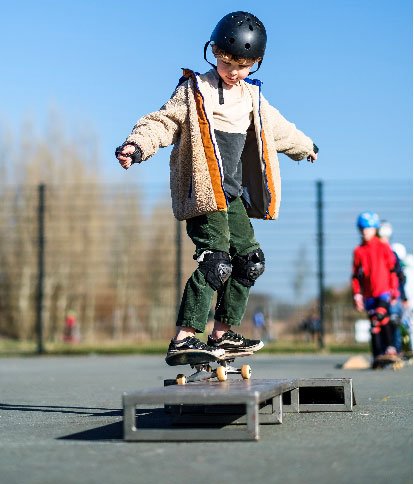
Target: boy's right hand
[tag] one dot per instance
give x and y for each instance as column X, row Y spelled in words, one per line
column 313, row 155
column 122, row 153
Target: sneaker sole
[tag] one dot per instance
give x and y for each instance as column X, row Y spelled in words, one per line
column 237, row 349
column 232, row 355
column 189, row 357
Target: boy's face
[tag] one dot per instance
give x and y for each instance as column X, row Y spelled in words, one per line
column 231, row 71
column 368, row 233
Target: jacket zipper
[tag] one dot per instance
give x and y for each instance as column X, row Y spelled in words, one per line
column 190, row 191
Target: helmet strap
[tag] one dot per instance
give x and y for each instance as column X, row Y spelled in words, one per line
column 220, row 91
column 205, row 54
column 258, row 67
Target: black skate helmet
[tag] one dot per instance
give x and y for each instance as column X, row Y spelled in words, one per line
column 240, row 34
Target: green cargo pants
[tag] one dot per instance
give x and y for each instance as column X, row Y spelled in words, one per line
column 230, row 232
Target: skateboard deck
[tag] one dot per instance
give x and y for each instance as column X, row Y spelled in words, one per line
column 383, row 361
column 193, row 358
column 204, row 371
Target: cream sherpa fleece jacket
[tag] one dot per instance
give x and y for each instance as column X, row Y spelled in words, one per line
column 196, row 173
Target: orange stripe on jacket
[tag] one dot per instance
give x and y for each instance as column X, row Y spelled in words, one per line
column 271, row 209
column 212, row 162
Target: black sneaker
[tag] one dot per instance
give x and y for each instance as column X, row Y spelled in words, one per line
column 235, row 343
column 191, row 351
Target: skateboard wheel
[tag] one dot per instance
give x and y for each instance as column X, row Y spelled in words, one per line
column 181, row 379
column 246, row 372
column 221, row 373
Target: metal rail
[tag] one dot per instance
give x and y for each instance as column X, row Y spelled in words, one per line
column 231, row 410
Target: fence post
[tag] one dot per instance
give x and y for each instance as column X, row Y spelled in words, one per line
column 40, row 268
column 321, row 260
column 178, row 265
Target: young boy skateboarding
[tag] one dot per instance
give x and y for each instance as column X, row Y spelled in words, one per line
column 375, row 284
column 224, row 171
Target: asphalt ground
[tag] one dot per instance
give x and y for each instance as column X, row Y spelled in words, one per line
column 61, row 422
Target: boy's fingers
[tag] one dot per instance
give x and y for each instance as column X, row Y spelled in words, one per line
column 123, row 152
column 128, row 150
column 123, row 158
column 125, row 162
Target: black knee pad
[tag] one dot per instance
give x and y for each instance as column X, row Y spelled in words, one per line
column 216, row 268
column 382, row 313
column 247, row 268
column 379, row 317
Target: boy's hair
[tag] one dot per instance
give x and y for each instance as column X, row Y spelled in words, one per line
column 220, row 53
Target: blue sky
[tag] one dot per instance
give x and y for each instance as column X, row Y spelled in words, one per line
column 340, row 69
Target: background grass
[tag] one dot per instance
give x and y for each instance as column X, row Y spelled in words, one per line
column 21, row 348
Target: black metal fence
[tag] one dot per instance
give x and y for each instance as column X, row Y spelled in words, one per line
column 96, row 262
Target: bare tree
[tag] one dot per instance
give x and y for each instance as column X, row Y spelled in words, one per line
column 107, row 260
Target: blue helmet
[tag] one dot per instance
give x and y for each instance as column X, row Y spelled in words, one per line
column 368, row 220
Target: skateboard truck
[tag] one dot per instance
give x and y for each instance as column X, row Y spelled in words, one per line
column 204, row 371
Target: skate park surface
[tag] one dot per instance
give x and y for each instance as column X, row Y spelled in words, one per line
column 61, row 422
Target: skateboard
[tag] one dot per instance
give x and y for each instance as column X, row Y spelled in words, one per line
column 383, row 361
column 204, row 371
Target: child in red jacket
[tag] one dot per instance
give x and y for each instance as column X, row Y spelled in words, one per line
column 375, row 283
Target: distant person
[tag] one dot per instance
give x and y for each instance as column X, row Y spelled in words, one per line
column 224, row 171
column 260, row 324
column 398, row 306
column 312, row 327
column 375, row 284
column 71, row 329
column 403, row 308
column 305, row 326
column 409, row 291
